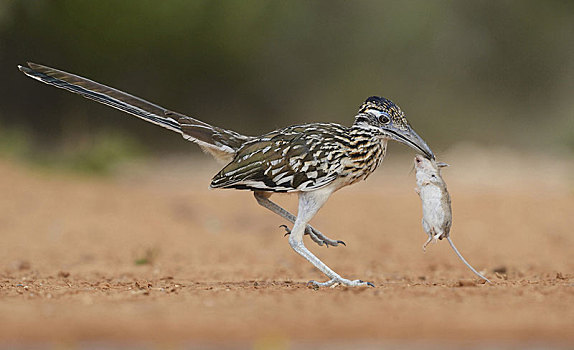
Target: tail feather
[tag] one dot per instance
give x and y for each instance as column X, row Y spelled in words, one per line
column 101, row 93
column 221, row 143
column 202, row 131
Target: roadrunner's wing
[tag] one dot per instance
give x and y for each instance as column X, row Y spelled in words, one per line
column 298, row 158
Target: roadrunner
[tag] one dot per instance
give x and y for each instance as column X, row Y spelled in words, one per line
column 313, row 160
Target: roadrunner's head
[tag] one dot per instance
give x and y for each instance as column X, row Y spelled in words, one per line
column 387, row 119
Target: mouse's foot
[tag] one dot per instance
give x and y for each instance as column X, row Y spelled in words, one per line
column 427, row 243
column 433, row 239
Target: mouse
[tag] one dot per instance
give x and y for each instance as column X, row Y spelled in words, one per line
column 436, row 203
column 431, row 188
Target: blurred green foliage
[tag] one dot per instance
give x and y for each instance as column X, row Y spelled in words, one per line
column 495, row 72
column 14, row 142
column 148, row 257
column 96, row 154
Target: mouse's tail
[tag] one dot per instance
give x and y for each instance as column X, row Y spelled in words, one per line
column 464, row 261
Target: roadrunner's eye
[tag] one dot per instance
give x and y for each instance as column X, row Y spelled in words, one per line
column 384, row 119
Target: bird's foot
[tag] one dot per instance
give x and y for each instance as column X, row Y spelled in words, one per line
column 317, row 236
column 339, row 280
column 321, row 239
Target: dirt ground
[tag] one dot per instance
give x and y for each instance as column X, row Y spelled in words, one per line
column 152, row 256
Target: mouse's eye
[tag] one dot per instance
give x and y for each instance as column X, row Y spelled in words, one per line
column 384, row 119
column 433, row 176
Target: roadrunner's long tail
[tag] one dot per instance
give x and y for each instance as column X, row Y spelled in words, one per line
column 221, row 143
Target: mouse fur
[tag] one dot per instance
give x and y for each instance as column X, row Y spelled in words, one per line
column 437, row 213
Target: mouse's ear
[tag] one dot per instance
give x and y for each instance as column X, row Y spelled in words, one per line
column 442, row 164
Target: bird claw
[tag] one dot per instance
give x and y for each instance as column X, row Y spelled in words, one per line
column 287, row 229
column 316, row 237
column 339, row 280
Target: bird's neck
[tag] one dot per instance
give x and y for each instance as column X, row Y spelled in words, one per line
column 364, row 138
column 367, row 149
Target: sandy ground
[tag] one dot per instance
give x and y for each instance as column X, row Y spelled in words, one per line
column 151, row 256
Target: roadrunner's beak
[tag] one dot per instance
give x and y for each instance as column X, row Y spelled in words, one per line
column 409, row 137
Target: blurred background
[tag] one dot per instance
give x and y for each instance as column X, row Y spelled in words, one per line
column 488, row 73
column 108, row 230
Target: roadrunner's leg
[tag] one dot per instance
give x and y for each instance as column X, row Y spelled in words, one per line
column 309, row 204
column 317, row 237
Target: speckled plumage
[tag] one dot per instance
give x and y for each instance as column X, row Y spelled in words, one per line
column 313, row 160
column 303, row 158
